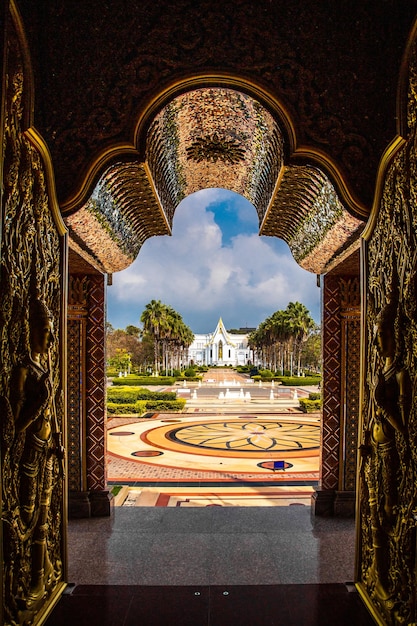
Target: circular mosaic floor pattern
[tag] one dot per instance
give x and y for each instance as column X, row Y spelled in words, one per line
column 237, row 438
column 234, row 444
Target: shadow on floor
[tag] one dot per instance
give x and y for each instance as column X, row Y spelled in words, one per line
column 262, row 605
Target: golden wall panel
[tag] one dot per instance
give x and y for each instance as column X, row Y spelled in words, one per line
column 32, row 367
column 388, row 473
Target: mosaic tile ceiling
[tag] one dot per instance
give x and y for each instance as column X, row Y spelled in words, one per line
column 213, row 137
column 307, row 213
column 122, row 212
column 333, row 67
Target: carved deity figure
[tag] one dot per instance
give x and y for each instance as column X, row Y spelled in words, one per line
column 34, row 414
column 388, row 416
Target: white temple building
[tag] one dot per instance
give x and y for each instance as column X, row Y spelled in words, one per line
column 220, row 348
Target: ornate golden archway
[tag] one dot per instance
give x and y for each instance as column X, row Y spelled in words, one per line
column 213, row 137
column 110, row 93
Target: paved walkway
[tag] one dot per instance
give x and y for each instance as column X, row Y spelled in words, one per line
column 218, row 448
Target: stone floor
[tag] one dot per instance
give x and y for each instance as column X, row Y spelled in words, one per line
column 239, row 566
column 282, row 605
column 210, row 546
column 171, row 559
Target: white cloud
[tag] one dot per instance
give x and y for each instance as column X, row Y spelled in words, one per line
column 243, row 282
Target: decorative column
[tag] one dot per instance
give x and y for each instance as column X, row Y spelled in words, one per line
column 96, row 398
column 350, row 374
column 86, row 397
column 341, row 351
column 79, row 503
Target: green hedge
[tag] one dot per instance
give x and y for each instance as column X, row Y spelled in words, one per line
column 309, row 406
column 314, row 395
column 131, row 394
column 144, row 380
column 133, row 408
column 168, row 405
column 143, row 406
column 299, row 381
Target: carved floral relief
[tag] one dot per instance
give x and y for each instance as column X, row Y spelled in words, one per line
column 31, row 396
column 388, row 498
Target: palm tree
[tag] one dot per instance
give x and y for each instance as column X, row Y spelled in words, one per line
column 300, row 324
column 168, row 330
column 281, row 333
column 153, row 319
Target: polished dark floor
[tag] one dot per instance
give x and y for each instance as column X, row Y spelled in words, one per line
column 215, row 566
column 257, row 605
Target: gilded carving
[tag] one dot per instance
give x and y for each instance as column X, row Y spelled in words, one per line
column 35, row 417
column 77, row 291
column 31, row 397
column 387, row 422
column 214, row 147
column 258, row 40
column 350, row 293
column 388, row 499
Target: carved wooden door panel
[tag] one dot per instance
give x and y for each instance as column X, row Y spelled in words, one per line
column 32, row 322
column 387, row 514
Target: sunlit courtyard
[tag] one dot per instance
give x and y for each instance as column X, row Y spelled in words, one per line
column 236, row 444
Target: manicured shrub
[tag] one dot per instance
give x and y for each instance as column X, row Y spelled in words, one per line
column 144, row 380
column 134, row 408
column 265, row 374
column 314, row 395
column 143, row 406
column 173, row 373
column 161, row 406
column 299, row 381
column 309, row 406
column 130, row 394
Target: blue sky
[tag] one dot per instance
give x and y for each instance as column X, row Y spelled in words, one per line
column 214, row 265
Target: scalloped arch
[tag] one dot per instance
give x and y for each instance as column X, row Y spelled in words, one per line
column 294, row 151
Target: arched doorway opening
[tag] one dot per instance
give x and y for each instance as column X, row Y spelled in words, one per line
column 215, row 136
column 222, row 278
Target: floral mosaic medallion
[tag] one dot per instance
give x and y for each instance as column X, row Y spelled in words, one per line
column 238, row 438
column 266, row 436
column 267, row 448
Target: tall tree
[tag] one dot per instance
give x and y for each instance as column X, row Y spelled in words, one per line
column 123, row 348
column 300, row 324
column 168, row 331
column 153, row 320
column 278, row 335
